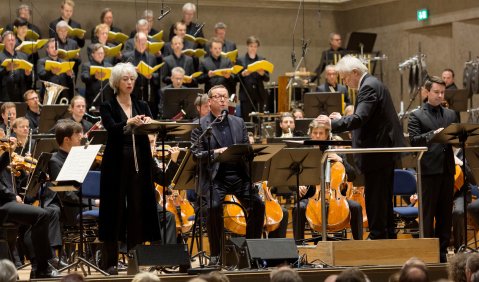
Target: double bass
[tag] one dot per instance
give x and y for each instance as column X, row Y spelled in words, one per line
column 338, row 211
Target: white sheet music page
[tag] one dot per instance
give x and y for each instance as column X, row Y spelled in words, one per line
column 78, row 163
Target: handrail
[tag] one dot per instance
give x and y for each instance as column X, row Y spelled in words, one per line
column 419, row 150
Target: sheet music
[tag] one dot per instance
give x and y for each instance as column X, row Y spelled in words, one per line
column 78, row 163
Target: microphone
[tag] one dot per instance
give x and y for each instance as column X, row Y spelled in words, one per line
column 224, row 114
column 164, row 13
column 293, row 58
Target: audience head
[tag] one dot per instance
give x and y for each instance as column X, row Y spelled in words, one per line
column 285, row 274
column 8, row 110
column 351, row 69
column 177, row 76
column 456, row 268
column 472, row 265
column 73, row 277
column 352, row 275
column 414, row 272
column 145, row 277
column 68, row 133
column 436, row 88
column 122, row 72
column 8, row 272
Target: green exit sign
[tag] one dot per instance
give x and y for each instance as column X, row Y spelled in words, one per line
column 422, row 14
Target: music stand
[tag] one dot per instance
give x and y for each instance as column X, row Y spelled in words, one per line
column 180, row 99
column 457, row 99
column 49, row 116
column 322, row 103
column 47, row 145
column 460, row 134
column 262, row 160
column 295, row 167
column 98, row 137
column 365, row 40
column 38, row 177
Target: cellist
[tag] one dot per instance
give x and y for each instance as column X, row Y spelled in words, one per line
column 321, row 131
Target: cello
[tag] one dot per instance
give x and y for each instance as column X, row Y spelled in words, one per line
column 179, row 207
column 273, row 212
column 338, row 212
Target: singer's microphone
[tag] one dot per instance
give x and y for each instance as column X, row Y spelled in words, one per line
column 293, row 58
column 224, row 114
column 162, row 15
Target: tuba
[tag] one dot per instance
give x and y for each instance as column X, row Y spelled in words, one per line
column 52, row 92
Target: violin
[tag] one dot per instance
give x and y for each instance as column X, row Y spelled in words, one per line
column 273, row 212
column 19, row 163
column 338, row 212
column 158, row 152
column 178, row 205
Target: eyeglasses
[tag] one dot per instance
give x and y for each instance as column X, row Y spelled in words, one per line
column 219, row 97
column 33, row 98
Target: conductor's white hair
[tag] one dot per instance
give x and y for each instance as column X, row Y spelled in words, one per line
column 189, row 7
column 349, row 63
column 118, row 71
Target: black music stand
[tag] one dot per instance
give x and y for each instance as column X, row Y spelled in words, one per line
column 49, row 116
column 98, row 136
column 48, row 145
column 457, row 99
column 365, row 40
column 262, row 160
column 180, row 99
column 295, row 167
column 38, row 177
column 163, row 129
column 322, row 103
column 460, row 134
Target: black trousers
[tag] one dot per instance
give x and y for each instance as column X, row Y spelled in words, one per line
column 38, row 219
column 437, row 202
column 252, row 202
column 170, row 225
column 379, row 202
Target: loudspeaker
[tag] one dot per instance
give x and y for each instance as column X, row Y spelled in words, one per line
column 272, row 252
column 236, row 255
column 158, row 255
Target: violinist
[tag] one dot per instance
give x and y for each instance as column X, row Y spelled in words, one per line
column 321, row 131
column 21, row 128
column 77, row 109
column 9, row 114
column 33, row 109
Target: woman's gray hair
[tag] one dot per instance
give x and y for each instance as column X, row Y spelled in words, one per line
column 349, row 63
column 189, row 7
column 118, row 71
column 8, row 272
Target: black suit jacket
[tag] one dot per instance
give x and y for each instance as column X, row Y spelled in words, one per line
column 374, row 124
column 422, row 124
column 200, row 151
column 183, row 61
column 13, row 83
column 93, row 86
column 53, row 27
column 253, row 84
column 207, row 65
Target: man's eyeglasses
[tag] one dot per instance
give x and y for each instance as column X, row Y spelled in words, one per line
column 219, row 97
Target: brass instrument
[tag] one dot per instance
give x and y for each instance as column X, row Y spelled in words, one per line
column 52, row 92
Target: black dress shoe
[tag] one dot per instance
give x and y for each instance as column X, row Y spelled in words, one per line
column 57, row 263
column 112, row 270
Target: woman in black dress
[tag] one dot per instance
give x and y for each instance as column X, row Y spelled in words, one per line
column 127, row 198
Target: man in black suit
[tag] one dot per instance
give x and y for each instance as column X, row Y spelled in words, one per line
column 374, row 124
column 146, row 87
column 331, row 55
column 214, row 62
column 228, row 178
column 437, row 164
column 66, row 14
column 220, row 33
column 178, row 59
column 332, row 85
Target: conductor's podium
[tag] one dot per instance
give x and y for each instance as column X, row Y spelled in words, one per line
column 372, row 252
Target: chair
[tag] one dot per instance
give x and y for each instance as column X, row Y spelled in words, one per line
column 404, row 186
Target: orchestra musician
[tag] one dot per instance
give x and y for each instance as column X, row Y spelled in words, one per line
column 176, row 82
column 214, row 62
column 328, row 57
column 106, row 17
column 146, row 87
column 8, row 111
column 374, row 124
column 33, row 109
column 77, row 109
column 54, row 75
column 297, row 113
column 126, row 174
column 192, row 28
column 21, row 128
column 14, row 81
column 252, row 94
column 287, row 125
column 437, row 164
column 96, row 84
column 331, row 84
column 228, row 178
column 66, row 13
column 321, row 131
column 29, row 215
